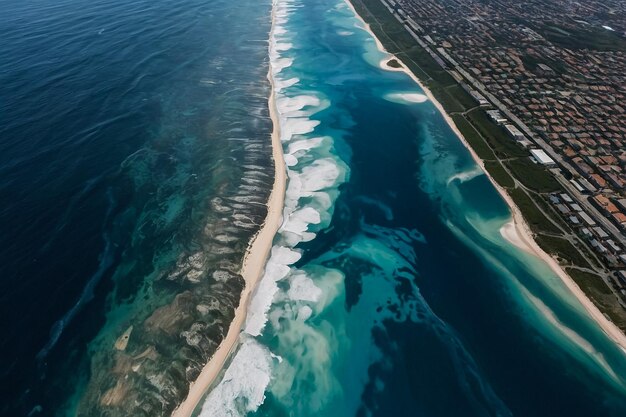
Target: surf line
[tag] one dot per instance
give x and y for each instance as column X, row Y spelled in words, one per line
column 253, row 264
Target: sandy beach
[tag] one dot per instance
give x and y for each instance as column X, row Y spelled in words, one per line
column 518, row 233
column 252, row 270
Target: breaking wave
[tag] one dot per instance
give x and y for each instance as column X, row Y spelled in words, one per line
column 314, row 173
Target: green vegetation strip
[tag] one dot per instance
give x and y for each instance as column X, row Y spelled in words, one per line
column 498, row 173
column 533, row 176
column 503, row 145
column 600, row 294
column 537, row 221
column 587, row 280
column 473, row 138
column 448, row 101
column 462, row 96
column 563, row 249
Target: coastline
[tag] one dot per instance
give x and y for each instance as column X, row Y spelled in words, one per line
column 520, row 235
column 253, row 266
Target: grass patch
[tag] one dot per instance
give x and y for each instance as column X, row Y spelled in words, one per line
column 497, row 171
column 587, row 280
column 502, row 144
column 601, row 295
column 393, row 63
column 537, row 221
column 584, row 38
column 473, row 138
column 533, row 176
column 449, row 103
column 462, row 96
column 419, row 56
column 562, row 249
column 552, row 213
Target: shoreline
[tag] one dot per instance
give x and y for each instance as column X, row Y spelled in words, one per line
column 520, row 235
column 253, row 265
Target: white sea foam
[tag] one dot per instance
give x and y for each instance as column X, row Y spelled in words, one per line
column 280, row 64
column 279, row 30
column 301, row 149
column 282, row 46
column 277, row 268
column 242, row 389
column 291, row 126
column 280, row 85
column 285, row 294
column 309, row 183
column 308, row 348
column 466, row 175
column 296, row 190
column 298, row 221
column 302, row 288
column 290, row 160
column 321, row 174
column 304, row 313
column 292, row 106
column 305, row 144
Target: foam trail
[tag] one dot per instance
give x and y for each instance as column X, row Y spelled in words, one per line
column 302, row 288
column 276, row 269
column 466, row 175
column 280, row 64
column 247, row 376
column 305, row 144
column 282, row 84
column 285, row 293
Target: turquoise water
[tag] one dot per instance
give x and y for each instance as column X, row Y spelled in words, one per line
column 389, row 290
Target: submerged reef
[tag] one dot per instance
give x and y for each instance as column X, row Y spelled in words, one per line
column 184, row 309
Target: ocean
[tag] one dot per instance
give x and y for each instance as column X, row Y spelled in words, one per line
column 135, row 161
column 390, row 289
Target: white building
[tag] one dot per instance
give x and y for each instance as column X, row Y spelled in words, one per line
column 514, row 132
column 542, row 157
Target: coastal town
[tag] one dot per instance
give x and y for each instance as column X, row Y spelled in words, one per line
column 551, row 75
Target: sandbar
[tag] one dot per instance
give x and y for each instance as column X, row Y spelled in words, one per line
column 253, row 266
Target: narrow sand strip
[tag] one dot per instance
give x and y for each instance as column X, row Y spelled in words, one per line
column 253, row 267
column 520, row 235
column 406, row 98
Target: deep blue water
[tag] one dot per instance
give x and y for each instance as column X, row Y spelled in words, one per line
column 119, row 121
